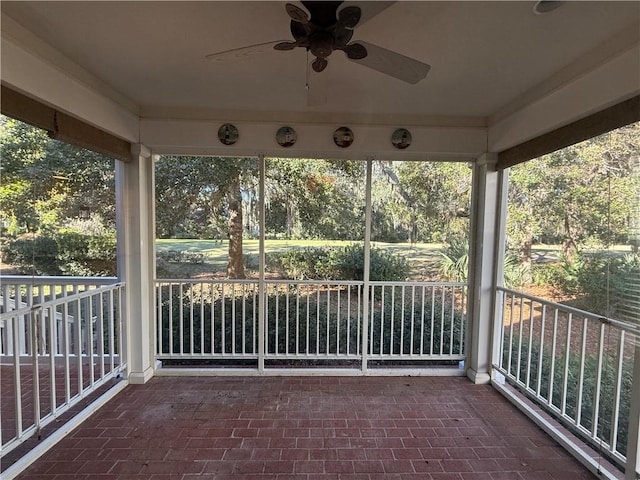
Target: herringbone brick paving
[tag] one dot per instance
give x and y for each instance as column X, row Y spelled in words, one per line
column 307, row 428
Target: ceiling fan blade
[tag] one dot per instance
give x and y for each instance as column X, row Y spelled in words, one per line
column 349, row 16
column 297, row 13
column 285, row 45
column 317, row 87
column 393, row 64
column 243, row 53
column 368, row 10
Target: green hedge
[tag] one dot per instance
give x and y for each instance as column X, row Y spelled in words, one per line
column 65, row 252
column 337, row 263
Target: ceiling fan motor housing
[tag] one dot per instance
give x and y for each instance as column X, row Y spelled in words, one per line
column 321, row 44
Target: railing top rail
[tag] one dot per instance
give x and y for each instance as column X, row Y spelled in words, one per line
column 206, row 280
column 629, row 327
column 425, row 284
column 306, row 282
column 60, row 300
column 48, row 280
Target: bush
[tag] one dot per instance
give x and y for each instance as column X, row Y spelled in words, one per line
column 454, row 260
column 340, row 263
column 597, row 280
column 36, row 255
column 66, row 252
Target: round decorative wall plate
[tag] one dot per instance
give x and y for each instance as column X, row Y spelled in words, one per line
column 286, row 136
column 228, row 134
column 343, row 137
column 401, row 138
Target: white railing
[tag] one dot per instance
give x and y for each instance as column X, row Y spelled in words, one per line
column 577, row 365
column 61, row 351
column 18, row 292
column 310, row 320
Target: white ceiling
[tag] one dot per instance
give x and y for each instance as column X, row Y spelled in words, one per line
column 484, row 55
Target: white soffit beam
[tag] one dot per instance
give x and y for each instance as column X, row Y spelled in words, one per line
column 313, row 140
column 35, row 69
column 614, row 78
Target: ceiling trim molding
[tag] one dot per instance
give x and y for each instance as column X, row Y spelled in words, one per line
column 310, row 118
column 620, row 43
column 62, row 126
column 604, row 121
column 13, row 31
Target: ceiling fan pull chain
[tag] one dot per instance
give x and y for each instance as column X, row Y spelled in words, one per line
column 307, row 71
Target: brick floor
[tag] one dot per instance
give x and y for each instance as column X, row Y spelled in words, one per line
column 307, row 428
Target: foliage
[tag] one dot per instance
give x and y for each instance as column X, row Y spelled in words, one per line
column 421, row 201
column 453, row 264
column 338, row 263
column 67, row 251
column 454, row 260
column 37, row 255
column 580, row 194
column 46, row 182
column 598, row 280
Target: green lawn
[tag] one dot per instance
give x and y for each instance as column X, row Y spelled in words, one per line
column 420, row 256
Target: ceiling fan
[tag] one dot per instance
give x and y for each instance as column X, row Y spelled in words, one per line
column 322, row 27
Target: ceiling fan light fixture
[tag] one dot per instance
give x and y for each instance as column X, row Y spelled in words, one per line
column 543, row 7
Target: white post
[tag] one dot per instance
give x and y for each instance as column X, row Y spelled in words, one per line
column 261, row 262
column 486, row 251
column 632, row 470
column 136, row 259
column 366, row 300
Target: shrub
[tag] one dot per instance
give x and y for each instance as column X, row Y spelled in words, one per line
column 339, row 263
column 597, row 280
column 454, row 260
column 66, row 252
column 36, row 255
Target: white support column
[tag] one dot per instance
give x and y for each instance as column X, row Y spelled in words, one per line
column 366, row 300
column 262, row 312
column 486, row 252
column 632, row 469
column 136, row 259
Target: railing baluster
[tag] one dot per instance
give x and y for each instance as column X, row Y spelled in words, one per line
column 17, row 368
column 328, row 332
column 615, row 411
column 171, row 349
column 90, row 329
column 583, row 352
column 530, row 343
column 422, row 319
column 520, row 329
column 66, row 351
column 52, row 358
column 223, row 320
column 565, row 375
column 286, row 343
column 451, row 325
column 338, row 313
column 110, row 331
column 596, row 399
column 553, row 355
column 35, row 327
column 541, row 351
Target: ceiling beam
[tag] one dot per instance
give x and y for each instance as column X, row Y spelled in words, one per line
column 601, row 122
column 62, row 126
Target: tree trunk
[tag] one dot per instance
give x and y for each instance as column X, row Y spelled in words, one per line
column 235, row 267
column 569, row 246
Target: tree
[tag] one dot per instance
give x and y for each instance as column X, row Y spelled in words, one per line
column 577, row 195
column 203, row 197
column 46, row 182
